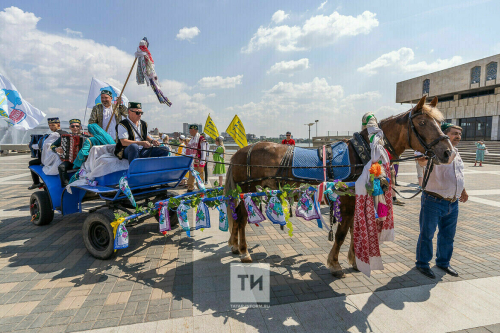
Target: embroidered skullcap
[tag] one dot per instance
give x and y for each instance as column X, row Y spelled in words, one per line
column 107, row 92
column 193, row 126
column 75, row 121
column 445, row 126
column 134, row 105
column 54, row 120
column 289, row 133
column 182, row 137
column 163, row 136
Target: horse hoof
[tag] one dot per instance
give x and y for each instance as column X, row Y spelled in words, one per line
column 338, row 274
column 355, row 267
column 235, row 250
column 246, row 259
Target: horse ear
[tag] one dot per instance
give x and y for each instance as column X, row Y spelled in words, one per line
column 434, row 102
column 420, row 104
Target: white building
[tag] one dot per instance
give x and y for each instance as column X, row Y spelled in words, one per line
column 468, row 94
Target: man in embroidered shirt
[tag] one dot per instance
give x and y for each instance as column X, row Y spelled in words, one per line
column 288, row 140
column 75, row 125
column 440, row 208
column 102, row 114
column 197, row 148
column 133, row 138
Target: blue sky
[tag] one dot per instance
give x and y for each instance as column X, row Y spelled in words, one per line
column 277, row 64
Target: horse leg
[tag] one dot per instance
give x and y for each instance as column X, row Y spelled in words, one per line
column 243, row 218
column 352, row 256
column 333, row 257
column 233, row 240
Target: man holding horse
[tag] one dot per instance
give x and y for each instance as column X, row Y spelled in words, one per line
column 444, row 189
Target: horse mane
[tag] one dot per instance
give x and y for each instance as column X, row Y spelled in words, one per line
column 402, row 118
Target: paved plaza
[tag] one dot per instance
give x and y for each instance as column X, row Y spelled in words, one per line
column 49, row 283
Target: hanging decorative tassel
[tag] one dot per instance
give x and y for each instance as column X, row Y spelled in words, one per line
column 199, row 181
column 183, row 219
column 223, row 222
column 202, row 216
column 255, row 216
column 123, row 183
column 146, row 71
column 274, row 209
column 286, row 213
column 164, row 219
column 305, row 207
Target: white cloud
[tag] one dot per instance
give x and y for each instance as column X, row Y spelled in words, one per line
column 289, row 67
column 401, row 60
column 317, row 31
column 70, row 32
column 286, row 102
column 279, row 16
column 54, row 72
column 212, row 82
column 367, row 96
column 188, row 33
column 322, row 5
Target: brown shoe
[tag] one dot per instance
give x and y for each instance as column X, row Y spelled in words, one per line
column 398, row 202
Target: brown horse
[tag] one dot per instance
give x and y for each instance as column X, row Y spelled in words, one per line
column 399, row 132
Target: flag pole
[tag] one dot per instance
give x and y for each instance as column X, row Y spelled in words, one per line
column 121, row 92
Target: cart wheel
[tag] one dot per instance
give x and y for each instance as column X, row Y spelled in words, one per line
column 173, row 217
column 40, row 208
column 98, row 234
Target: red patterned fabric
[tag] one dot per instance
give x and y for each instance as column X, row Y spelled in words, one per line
column 368, row 233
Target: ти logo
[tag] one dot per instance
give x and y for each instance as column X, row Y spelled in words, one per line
column 113, row 93
column 250, row 284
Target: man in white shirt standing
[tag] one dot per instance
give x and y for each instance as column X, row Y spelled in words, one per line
column 444, row 189
column 102, row 114
column 134, row 140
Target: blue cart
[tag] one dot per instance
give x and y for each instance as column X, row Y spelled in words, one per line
column 148, row 178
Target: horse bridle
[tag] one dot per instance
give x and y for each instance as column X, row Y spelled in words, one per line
column 429, row 151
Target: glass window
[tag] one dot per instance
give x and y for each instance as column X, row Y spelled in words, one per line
column 426, row 86
column 487, row 135
column 475, row 75
column 491, row 71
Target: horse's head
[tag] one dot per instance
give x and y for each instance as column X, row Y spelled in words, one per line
column 425, row 135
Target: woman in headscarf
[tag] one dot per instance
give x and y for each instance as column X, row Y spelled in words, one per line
column 99, row 138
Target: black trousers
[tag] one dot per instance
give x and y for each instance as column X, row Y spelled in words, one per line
column 63, row 168
column 34, row 176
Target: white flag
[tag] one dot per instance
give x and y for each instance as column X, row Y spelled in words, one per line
column 17, row 112
column 95, row 93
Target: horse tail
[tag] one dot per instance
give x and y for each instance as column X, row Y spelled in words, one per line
column 230, row 185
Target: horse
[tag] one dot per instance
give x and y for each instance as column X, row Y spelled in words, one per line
column 418, row 129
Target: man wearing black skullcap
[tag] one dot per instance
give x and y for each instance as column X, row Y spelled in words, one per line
column 102, row 114
column 133, row 138
column 55, row 126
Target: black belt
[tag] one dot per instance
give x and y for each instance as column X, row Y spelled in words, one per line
column 435, row 195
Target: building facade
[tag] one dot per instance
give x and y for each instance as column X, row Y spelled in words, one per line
column 468, row 95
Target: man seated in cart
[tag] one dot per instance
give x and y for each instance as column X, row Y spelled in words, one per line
column 133, row 138
column 54, row 126
column 75, row 125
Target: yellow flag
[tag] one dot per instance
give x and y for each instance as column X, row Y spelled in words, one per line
column 237, row 132
column 210, row 129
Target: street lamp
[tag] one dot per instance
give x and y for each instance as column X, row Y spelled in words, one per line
column 316, row 121
column 310, row 124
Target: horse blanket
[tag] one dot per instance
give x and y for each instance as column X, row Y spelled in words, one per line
column 303, row 157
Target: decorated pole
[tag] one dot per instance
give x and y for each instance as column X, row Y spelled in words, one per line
column 119, row 100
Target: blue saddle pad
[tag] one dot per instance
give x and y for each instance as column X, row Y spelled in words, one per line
column 303, row 157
